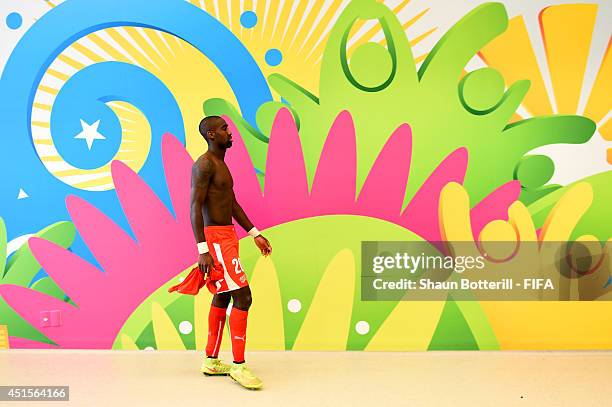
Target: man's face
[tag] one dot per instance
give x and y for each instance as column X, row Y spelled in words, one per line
column 222, row 136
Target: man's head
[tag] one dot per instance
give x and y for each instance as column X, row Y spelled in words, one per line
column 215, row 132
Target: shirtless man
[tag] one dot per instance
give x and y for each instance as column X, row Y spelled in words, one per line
column 213, row 204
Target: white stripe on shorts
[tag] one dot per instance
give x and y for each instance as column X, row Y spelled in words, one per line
column 231, row 285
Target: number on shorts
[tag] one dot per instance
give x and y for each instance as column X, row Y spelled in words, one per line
column 237, row 266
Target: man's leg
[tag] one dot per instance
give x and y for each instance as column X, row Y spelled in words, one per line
column 238, row 321
column 216, row 322
column 238, row 325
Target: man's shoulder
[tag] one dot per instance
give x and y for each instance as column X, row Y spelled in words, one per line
column 204, row 161
column 204, row 164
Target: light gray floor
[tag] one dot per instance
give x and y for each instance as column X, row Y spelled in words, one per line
column 172, row 378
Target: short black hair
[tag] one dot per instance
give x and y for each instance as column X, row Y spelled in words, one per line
column 207, row 124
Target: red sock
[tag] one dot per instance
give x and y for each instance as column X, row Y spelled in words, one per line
column 216, row 322
column 238, row 324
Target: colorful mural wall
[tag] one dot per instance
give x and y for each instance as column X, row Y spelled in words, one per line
column 353, row 120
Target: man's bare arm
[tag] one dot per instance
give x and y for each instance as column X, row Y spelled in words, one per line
column 238, row 213
column 240, row 216
column 201, row 173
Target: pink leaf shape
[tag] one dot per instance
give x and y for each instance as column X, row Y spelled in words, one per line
column 134, row 271
column 335, row 178
column 286, row 186
column 29, row 304
column 421, row 214
column 68, row 270
column 246, row 186
column 134, row 195
column 384, row 188
column 494, row 206
column 97, row 230
column 165, row 243
column 177, row 168
column 23, row 343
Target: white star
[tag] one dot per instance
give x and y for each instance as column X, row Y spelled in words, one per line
column 90, row 133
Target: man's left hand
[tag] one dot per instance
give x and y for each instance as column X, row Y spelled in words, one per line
column 263, row 245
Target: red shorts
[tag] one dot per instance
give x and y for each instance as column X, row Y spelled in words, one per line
column 227, row 274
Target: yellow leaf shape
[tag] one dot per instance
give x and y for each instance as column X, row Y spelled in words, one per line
column 495, row 232
column 520, row 219
column 531, row 325
column 410, row 326
column 265, row 327
column 327, row 322
column 566, row 213
column 454, row 213
column 166, row 335
column 534, row 324
column 127, row 343
column 592, row 285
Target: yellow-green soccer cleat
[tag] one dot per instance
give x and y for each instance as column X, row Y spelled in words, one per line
column 214, row 367
column 241, row 374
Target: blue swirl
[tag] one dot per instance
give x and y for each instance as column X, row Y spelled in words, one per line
column 84, row 96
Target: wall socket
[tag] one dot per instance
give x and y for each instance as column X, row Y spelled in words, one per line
column 52, row 318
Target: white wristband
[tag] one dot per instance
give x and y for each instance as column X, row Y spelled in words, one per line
column 254, row 232
column 202, row 248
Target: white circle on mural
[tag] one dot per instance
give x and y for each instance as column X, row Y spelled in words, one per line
column 294, row 305
column 185, row 327
column 181, row 279
column 362, row 327
column 149, row 348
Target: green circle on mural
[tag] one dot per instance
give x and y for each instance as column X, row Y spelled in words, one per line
column 371, row 64
column 533, row 171
column 481, row 90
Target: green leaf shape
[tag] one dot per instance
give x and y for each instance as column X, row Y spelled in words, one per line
column 21, row 269
column 452, row 332
column 430, row 101
column 181, row 309
column 593, row 222
column 300, row 261
column 47, row 285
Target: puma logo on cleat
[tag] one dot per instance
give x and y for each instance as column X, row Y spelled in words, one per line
column 240, row 337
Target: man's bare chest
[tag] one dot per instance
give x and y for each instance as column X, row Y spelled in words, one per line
column 222, row 179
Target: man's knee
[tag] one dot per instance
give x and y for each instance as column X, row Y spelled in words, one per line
column 247, row 300
column 243, row 299
column 243, row 302
column 221, row 300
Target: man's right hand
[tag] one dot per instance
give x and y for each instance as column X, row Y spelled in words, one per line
column 206, row 263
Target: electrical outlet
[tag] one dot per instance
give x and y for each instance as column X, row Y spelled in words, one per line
column 51, row 318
